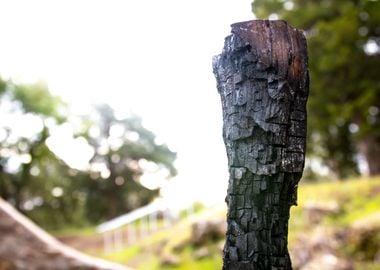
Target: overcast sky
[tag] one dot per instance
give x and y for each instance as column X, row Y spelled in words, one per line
column 149, row 57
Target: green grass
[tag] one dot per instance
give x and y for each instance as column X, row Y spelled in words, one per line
column 358, row 200
column 123, row 256
column 174, row 241
column 69, row 231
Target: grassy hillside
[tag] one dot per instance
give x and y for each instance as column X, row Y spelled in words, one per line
column 336, row 225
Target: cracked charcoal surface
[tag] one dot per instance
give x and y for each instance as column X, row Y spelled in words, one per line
column 262, row 79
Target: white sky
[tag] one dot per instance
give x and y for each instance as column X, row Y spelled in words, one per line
column 150, row 57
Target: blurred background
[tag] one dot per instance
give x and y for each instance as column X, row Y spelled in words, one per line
column 110, row 128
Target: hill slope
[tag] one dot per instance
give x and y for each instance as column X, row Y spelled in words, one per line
column 336, row 226
column 23, row 245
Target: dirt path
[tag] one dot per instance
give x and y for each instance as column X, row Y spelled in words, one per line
column 83, row 243
column 24, row 245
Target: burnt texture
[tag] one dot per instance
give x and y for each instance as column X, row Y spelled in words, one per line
column 262, row 78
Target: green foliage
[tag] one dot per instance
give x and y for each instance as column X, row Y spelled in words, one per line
column 36, row 99
column 3, row 86
column 29, row 184
column 124, row 146
column 345, row 89
column 41, row 185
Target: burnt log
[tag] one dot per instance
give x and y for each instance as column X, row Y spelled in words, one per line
column 262, row 79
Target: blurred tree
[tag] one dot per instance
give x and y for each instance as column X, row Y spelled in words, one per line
column 40, row 184
column 124, row 150
column 344, row 56
column 29, row 171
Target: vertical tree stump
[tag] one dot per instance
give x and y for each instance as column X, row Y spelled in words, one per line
column 262, row 78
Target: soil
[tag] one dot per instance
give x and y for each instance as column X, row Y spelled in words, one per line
column 24, row 245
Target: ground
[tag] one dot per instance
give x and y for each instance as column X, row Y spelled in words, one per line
column 335, row 226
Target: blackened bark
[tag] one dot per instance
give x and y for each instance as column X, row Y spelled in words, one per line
column 262, row 79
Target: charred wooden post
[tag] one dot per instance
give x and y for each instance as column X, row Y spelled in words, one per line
column 262, row 78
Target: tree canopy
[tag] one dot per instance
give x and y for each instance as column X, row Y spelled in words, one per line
column 124, row 150
column 344, row 56
column 36, row 179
